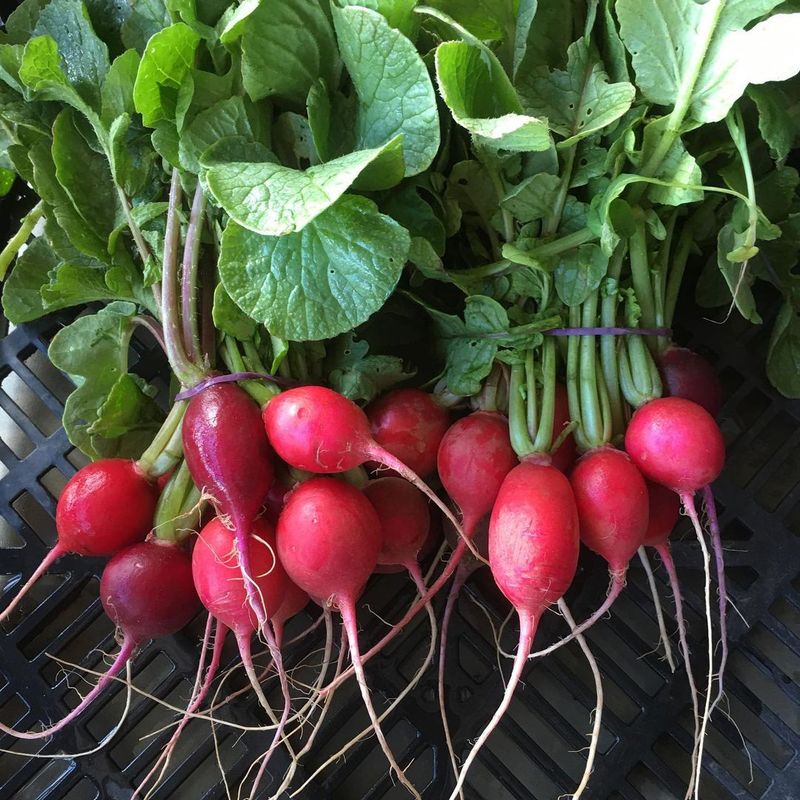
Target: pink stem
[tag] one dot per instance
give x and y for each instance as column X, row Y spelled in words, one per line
column 615, row 589
column 199, row 694
column 348, row 612
column 124, row 655
column 719, row 558
column 462, row 573
column 527, row 629
column 666, row 559
column 47, row 562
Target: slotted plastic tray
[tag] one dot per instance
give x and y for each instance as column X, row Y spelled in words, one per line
column 536, row 753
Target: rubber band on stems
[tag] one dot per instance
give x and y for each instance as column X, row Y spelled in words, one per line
column 610, row 331
column 232, row 378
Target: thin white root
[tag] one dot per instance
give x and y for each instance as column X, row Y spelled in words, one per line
column 662, row 628
column 598, row 715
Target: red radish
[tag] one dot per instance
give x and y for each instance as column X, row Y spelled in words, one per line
column 405, row 519
column 409, row 423
column 567, row 453
column 221, row 586
column 665, row 508
column 315, row 429
column 275, row 500
column 677, row 443
column 329, row 538
column 533, row 555
column 105, row 507
column 147, row 591
column 294, row 601
column 475, row 456
column 230, row 460
column 687, row 374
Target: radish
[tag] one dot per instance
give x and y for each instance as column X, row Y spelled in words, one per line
column 474, row 458
column 533, row 555
column 147, row 591
column 226, row 594
column 104, row 507
column 409, row 424
column 676, row 443
column 687, row 374
column 294, row 601
column 231, row 462
column 329, row 539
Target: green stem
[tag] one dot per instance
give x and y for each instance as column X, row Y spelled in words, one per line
column 608, row 344
column 532, row 412
column 499, row 189
column 544, row 436
column 676, row 270
column 531, row 258
column 640, row 272
column 253, row 358
column 517, row 417
column 591, row 408
column 573, row 384
column 660, row 279
column 554, row 220
column 261, row 391
column 189, row 277
column 179, row 507
column 10, row 251
column 166, row 448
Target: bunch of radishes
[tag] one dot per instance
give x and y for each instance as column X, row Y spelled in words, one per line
column 334, row 532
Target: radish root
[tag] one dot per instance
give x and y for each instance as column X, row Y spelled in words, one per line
column 662, row 628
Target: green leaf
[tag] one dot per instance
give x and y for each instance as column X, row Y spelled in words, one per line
column 324, row 280
column 22, row 300
column 21, row 22
column 525, row 16
column 275, row 200
column 590, row 162
column 700, row 52
column 533, row 198
column 167, row 60
column 579, row 272
column 146, row 19
column 85, row 176
column 358, row 375
column 7, row 178
column 93, row 350
column 578, row 101
column 223, row 119
column 783, row 356
column 286, row 47
column 395, row 93
column 737, row 275
column 778, row 118
column 482, row 99
column 117, row 92
column 489, row 20
column 677, row 165
column 84, row 56
column 229, row 318
column 416, row 215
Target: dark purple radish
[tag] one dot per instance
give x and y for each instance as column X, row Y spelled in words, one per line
column 611, row 498
column 409, row 423
column 147, row 591
column 230, row 460
column 319, row 430
column 474, row 458
column 294, row 601
column 533, row 554
column 104, row 507
column 329, row 538
column 688, row 375
column 677, row 443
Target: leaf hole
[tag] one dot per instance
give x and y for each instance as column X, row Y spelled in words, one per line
column 331, row 272
column 462, row 181
column 589, row 112
column 583, row 162
column 571, row 106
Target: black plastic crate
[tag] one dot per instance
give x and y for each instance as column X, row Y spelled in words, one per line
column 644, row 751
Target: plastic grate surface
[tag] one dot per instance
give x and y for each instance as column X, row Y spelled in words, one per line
column 644, row 751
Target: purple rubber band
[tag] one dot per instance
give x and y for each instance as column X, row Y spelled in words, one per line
column 235, row 376
column 608, row 332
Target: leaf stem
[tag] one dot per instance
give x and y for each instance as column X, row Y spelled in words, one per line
column 531, row 258
column 178, row 508
column 676, row 270
column 166, row 447
column 26, row 227
column 640, row 272
column 608, row 344
column 189, row 275
column 591, row 406
column 544, row 434
column 554, row 220
column 517, row 416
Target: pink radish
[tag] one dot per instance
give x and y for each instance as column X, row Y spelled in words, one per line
column 533, row 555
column 677, row 443
column 294, row 601
column 409, row 424
column 230, row 460
column 105, row 507
column 329, row 538
column 687, row 374
column 223, row 590
column 474, row 458
column 147, row 591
